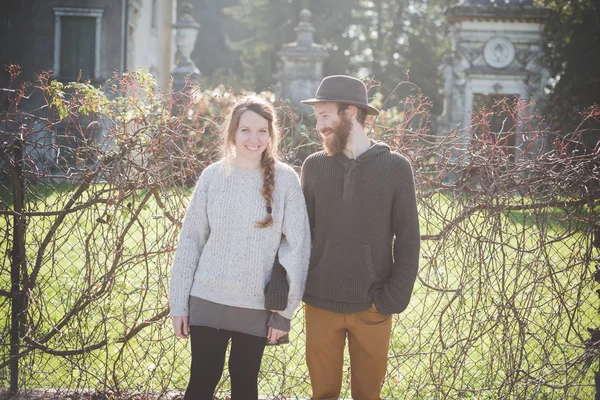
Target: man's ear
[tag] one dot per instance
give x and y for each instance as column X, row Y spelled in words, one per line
column 352, row 112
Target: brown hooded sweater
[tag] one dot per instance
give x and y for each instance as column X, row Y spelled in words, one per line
column 365, row 231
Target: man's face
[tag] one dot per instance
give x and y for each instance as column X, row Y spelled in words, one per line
column 333, row 128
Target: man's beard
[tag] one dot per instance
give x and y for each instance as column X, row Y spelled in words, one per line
column 336, row 142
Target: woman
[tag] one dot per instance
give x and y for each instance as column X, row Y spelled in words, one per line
column 246, row 209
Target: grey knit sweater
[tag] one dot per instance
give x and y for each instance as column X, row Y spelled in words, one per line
column 365, row 231
column 223, row 257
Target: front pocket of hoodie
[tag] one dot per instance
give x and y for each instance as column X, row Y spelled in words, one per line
column 344, row 273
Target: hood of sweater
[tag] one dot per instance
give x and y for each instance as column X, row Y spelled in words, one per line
column 350, row 165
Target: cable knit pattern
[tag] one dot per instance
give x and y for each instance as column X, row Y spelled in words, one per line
column 223, row 257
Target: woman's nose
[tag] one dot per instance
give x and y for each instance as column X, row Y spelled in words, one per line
column 253, row 136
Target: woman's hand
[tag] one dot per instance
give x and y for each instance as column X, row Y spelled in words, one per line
column 274, row 334
column 181, row 326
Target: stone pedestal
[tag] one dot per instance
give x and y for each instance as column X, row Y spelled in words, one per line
column 185, row 39
column 497, row 49
column 300, row 69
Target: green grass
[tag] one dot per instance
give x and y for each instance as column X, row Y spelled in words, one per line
column 505, row 294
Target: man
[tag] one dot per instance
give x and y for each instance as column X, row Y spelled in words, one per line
column 365, row 243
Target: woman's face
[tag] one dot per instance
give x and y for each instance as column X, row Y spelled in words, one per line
column 251, row 137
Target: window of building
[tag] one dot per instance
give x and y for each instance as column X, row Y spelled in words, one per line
column 77, row 33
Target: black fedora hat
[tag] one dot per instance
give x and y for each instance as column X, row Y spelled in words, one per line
column 342, row 89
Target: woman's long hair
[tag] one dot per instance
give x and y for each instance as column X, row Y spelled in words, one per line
column 269, row 155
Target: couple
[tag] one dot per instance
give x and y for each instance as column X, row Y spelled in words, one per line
column 242, row 264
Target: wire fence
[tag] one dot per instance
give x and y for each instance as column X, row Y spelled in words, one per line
column 94, row 185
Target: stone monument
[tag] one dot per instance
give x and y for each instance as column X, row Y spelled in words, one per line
column 300, row 69
column 497, row 51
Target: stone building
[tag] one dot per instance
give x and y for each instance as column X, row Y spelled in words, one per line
column 91, row 37
column 87, row 39
column 497, row 51
column 150, row 37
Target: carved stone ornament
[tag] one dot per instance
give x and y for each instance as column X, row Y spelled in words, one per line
column 461, row 65
column 498, row 52
column 135, row 11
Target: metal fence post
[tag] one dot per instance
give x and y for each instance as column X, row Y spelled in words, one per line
column 596, row 244
column 17, row 259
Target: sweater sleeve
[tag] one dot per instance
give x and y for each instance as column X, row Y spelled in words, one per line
column 278, row 321
column 277, row 290
column 294, row 249
column 194, row 234
column 394, row 295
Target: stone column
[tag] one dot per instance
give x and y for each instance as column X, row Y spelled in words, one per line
column 300, row 69
column 185, row 38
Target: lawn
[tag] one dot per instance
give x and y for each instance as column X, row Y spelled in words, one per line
column 500, row 310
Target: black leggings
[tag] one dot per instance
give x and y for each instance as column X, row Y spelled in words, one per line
column 208, row 357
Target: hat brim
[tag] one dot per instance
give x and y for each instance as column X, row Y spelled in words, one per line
column 370, row 110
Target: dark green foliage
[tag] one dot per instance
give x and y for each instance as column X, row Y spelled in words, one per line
column 573, row 35
column 212, row 55
column 382, row 38
column 239, row 43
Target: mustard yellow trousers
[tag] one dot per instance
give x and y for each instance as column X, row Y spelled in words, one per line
column 368, row 334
